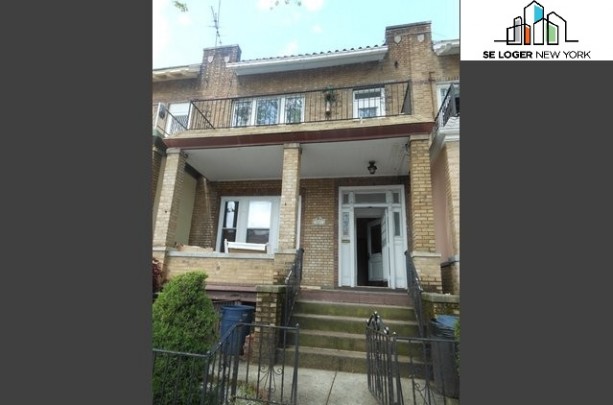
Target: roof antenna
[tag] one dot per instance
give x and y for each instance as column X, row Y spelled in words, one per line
column 216, row 26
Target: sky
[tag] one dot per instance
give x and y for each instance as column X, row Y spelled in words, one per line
column 263, row 30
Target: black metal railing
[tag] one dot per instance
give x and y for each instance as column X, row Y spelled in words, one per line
column 248, row 364
column 292, row 287
column 430, row 377
column 382, row 363
column 327, row 104
column 415, row 290
column 450, row 107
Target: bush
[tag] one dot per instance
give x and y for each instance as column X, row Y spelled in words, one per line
column 184, row 320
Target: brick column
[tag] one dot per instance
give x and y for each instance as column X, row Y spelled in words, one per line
column 170, row 197
column 423, row 245
column 268, row 311
column 453, row 193
column 451, row 281
column 290, row 186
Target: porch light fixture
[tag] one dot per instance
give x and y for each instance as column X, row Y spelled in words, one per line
column 371, row 167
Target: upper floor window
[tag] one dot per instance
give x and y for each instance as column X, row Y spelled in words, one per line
column 369, row 103
column 178, row 119
column 268, row 111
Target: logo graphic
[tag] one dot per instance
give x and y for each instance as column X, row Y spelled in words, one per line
column 537, row 29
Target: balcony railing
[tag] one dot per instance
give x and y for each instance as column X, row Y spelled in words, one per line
column 450, row 108
column 321, row 105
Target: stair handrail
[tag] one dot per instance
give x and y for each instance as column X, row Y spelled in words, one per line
column 415, row 291
column 292, row 286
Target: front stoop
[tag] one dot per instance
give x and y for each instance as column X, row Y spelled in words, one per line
column 332, row 327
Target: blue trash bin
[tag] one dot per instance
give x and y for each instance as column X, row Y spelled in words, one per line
column 230, row 316
column 444, row 355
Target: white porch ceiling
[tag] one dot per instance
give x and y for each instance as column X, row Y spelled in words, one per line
column 319, row 160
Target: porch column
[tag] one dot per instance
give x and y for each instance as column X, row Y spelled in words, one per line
column 422, row 247
column 451, row 281
column 290, row 189
column 165, row 230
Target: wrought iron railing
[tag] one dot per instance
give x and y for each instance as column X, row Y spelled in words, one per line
column 292, row 287
column 260, row 370
column 415, row 290
column 432, row 369
column 450, row 107
column 319, row 105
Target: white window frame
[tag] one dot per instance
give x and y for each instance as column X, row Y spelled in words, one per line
column 243, row 216
column 253, row 105
column 377, row 102
column 177, row 110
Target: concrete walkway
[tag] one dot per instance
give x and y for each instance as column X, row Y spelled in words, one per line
column 323, row 387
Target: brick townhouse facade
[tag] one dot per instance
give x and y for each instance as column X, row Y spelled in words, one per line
column 351, row 155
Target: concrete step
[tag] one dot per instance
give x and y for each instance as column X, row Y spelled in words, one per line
column 349, row 324
column 387, row 312
column 347, row 361
column 361, row 295
column 345, row 341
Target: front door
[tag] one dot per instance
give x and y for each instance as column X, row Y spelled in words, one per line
column 375, row 258
column 372, row 237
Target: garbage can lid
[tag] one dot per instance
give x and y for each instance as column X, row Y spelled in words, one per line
column 446, row 321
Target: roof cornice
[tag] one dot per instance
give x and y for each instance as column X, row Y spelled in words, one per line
column 176, row 73
column 313, row 61
column 449, row 47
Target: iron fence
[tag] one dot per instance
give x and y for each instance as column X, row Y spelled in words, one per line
column 249, row 365
column 429, row 377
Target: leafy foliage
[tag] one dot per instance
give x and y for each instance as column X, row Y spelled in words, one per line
column 180, row 5
column 184, row 320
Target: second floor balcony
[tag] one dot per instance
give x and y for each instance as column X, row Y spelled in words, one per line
column 316, row 106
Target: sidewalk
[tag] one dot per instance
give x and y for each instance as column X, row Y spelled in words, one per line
column 321, row 387
column 324, row 387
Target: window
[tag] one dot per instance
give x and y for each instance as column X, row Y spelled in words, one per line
column 178, row 119
column 268, row 111
column 249, row 220
column 369, row 103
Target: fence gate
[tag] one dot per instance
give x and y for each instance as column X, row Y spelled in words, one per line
column 428, row 375
column 251, row 363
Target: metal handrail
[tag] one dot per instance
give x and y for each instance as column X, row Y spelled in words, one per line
column 292, row 287
column 415, row 290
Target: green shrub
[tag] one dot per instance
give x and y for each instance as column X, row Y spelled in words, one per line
column 184, row 320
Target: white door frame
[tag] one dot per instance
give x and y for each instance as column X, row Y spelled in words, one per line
column 391, row 199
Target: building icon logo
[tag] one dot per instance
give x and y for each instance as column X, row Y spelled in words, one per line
column 536, row 28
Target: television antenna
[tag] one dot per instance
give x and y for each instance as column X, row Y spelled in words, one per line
column 216, row 24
